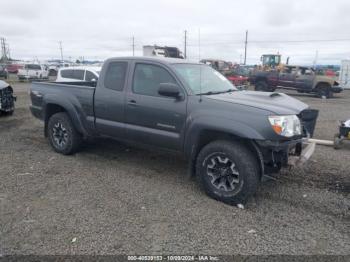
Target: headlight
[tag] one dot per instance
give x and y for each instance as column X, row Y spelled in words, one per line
column 287, row 126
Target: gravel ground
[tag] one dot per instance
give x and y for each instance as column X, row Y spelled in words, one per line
column 116, row 199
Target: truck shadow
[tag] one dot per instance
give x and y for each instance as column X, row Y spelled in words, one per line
column 147, row 160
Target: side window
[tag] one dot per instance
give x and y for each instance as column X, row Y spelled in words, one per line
column 67, row 73
column 115, row 75
column 287, row 70
column 294, row 71
column 78, row 74
column 148, row 77
column 89, row 76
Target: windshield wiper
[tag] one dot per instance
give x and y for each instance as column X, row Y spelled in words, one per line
column 216, row 92
column 209, row 93
column 228, row 91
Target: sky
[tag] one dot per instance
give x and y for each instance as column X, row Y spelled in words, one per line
column 92, row 29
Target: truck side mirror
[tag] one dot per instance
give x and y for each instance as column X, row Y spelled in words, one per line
column 169, row 89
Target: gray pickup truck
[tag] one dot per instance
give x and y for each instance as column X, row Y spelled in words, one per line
column 231, row 138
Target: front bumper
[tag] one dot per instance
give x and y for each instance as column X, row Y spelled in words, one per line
column 277, row 154
column 337, row 89
column 306, row 153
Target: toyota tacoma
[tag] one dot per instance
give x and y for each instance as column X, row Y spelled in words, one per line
column 231, row 138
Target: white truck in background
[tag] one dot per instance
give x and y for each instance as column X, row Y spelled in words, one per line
column 33, row 71
column 344, row 75
column 162, row 51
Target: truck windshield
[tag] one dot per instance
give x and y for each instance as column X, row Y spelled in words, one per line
column 203, row 79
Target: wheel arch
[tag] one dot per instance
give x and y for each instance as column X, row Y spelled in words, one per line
column 207, row 136
column 322, row 83
column 53, row 108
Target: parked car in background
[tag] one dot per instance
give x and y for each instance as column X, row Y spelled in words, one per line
column 33, row 71
column 300, row 78
column 231, row 138
column 79, row 73
column 3, row 71
column 13, row 68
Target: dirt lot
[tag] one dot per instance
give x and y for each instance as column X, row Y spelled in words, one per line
column 119, row 200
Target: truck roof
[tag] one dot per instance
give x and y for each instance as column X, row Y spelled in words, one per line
column 165, row 60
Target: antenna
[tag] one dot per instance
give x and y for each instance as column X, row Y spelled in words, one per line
column 185, row 47
column 200, row 66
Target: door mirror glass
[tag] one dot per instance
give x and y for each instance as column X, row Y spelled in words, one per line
column 169, row 89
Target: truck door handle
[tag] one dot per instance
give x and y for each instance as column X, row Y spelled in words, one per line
column 132, row 102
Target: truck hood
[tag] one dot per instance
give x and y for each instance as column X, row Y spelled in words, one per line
column 276, row 103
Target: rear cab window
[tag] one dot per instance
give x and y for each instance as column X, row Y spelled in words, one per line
column 115, row 75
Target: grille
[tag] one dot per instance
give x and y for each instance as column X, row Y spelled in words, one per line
column 6, row 99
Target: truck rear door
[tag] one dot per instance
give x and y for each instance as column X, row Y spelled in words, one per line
column 151, row 118
column 110, row 98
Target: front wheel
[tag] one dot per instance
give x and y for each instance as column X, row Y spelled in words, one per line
column 227, row 171
column 63, row 136
column 324, row 91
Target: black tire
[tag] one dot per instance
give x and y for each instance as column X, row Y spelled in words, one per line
column 263, row 86
column 324, row 90
column 244, row 163
column 62, row 135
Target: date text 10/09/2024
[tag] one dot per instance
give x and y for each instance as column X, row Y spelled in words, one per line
column 173, row 258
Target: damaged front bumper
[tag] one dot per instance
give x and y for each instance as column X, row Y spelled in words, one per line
column 278, row 154
column 7, row 99
column 306, row 153
column 337, row 89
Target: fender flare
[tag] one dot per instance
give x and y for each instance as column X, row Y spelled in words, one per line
column 222, row 125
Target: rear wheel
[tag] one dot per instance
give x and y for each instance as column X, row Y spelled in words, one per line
column 63, row 136
column 263, row 86
column 324, row 91
column 227, row 171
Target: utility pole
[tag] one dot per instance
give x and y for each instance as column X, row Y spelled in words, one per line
column 133, row 46
column 61, row 49
column 185, row 48
column 4, row 50
column 316, row 58
column 245, row 47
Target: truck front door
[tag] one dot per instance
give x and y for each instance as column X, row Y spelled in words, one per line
column 151, row 118
column 287, row 77
column 304, row 79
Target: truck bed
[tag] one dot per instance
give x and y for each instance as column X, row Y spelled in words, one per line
column 79, row 95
